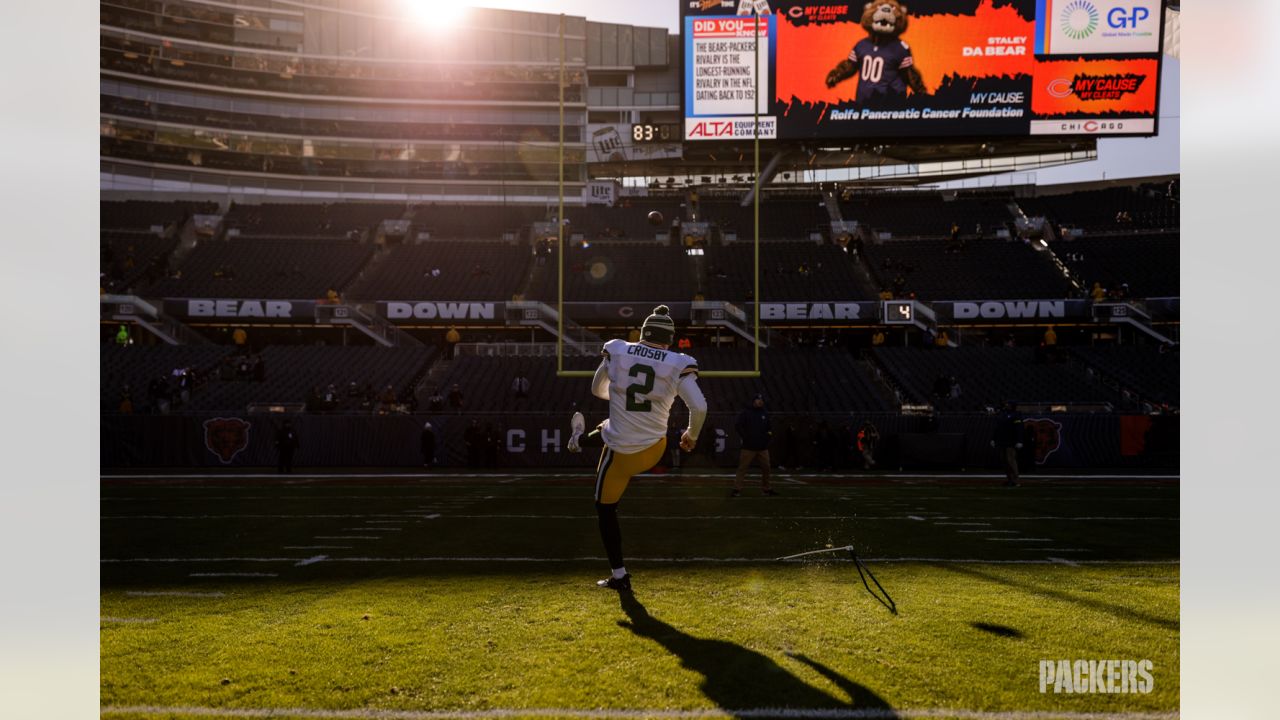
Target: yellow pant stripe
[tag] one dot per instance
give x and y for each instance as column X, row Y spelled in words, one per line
column 615, row 470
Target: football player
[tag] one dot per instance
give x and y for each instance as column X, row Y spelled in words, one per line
column 640, row 380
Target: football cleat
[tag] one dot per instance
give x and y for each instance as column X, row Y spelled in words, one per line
column 622, row 584
column 577, row 424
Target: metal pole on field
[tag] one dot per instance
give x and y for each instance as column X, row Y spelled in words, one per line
column 560, row 221
column 755, row 103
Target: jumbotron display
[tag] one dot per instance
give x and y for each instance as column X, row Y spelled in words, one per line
column 924, row 69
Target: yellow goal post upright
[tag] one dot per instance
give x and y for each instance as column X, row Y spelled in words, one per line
column 560, row 225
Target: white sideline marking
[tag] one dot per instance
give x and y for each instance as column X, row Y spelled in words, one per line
column 587, row 471
column 127, row 620
column 989, row 532
column 316, row 547
column 501, row 713
column 389, row 522
column 1063, row 561
column 963, row 524
column 176, row 594
column 1020, row 539
column 231, row 574
column 311, row 560
column 348, row 537
column 851, row 516
column 380, row 528
column 915, row 517
column 762, row 560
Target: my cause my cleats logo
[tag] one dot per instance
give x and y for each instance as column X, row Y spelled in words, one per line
column 1079, row 19
column 226, row 437
column 1096, row 87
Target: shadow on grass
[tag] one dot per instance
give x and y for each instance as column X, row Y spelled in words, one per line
column 998, row 630
column 1120, row 611
column 737, row 679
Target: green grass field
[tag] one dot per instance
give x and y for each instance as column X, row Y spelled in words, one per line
column 474, row 597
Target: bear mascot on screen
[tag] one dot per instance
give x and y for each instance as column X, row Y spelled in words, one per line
column 882, row 60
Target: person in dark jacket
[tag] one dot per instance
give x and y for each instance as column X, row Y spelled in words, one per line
column 755, row 433
column 286, row 444
column 1008, row 437
column 428, row 443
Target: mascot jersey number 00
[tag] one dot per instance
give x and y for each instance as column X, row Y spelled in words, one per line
column 882, row 60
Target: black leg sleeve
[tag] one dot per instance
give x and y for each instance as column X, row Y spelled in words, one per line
column 610, row 533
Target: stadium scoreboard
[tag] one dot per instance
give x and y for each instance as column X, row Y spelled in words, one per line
column 945, row 69
column 651, row 132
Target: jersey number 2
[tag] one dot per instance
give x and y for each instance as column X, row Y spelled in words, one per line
column 644, row 387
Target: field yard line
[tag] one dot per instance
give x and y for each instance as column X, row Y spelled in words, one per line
column 961, row 524
column 815, row 713
column 936, row 560
column 316, row 547
column 586, row 472
column 347, row 537
column 311, row 561
column 176, row 594
column 1062, row 561
column 1020, row 539
column 380, row 528
column 233, row 574
column 989, row 532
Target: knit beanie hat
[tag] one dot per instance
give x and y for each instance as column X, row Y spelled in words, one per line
column 659, row 328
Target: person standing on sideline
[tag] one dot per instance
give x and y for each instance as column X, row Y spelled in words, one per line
column 868, row 439
column 286, row 444
column 1008, row 437
column 640, row 381
column 754, row 431
column 428, row 444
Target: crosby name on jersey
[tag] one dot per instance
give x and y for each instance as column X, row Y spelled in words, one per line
column 643, row 383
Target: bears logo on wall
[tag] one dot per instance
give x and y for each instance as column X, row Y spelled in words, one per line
column 1045, row 436
column 226, row 437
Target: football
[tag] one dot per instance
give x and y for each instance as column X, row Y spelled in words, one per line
column 655, row 217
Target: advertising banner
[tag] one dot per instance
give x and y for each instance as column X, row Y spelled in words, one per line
column 1003, row 311
column 240, row 309
column 946, row 68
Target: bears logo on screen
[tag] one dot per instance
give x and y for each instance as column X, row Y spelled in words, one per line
column 882, row 60
column 226, row 437
column 1046, row 437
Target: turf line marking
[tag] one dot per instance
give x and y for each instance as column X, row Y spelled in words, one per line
column 432, row 516
column 989, row 532
column 140, row 593
column 962, row 524
column 389, row 522
column 1063, row 561
column 915, row 517
column 348, row 537
column 244, row 574
column 1058, row 550
column 316, row 547
column 535, row 478
column 656, row 560
column 1020, row 539
column 500, row 713
column 311, row 561
column 127, row 620
column 380, row 528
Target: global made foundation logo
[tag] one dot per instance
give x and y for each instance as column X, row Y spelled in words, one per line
column 1101, row 677
column 1079, row 19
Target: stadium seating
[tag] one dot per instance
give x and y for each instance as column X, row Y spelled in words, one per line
column 1152, row 374
column 927, row 214
column 1148, row 263
column 251, row 267
column 629, row 220
column 1147, row 207
column 473, row 222
column 290, row 374
column 145, row 214
column 984, row 269
column 132, row 368
column 309, row 220
column 793, row 379
column 989, row 377
column 788, row 271
column 780, row 218
column 129, row 258
column 621, row 272
column 467, row 271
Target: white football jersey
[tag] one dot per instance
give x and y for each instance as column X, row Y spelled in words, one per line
column 643, row 382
